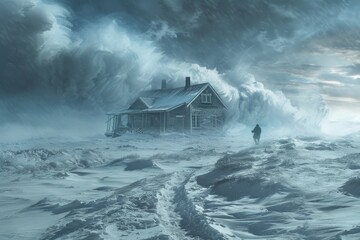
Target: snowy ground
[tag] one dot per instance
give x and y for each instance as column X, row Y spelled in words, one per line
column 180, row 187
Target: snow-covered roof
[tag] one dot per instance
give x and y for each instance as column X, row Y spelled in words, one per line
column 169, row 98
column 148, row 101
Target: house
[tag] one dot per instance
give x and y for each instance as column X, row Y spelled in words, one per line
column 184, row 109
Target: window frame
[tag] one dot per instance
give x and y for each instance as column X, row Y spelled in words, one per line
column 206, row 98
column 195, row 121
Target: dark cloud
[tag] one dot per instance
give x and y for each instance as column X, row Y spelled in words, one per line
column 352, row 70
column 89, row 54
column 216, row 33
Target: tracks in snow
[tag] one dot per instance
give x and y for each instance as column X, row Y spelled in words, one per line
column 169, row 219
column 152, row 208
column 178, row 213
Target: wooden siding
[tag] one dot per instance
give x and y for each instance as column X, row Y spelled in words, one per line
column 215, row 102
column 209, row 118
column 173, row 122
column 145, row 121
column 210, row 115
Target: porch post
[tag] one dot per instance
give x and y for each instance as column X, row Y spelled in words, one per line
column 113, row 123
column 164, row 121
column 108, row 123
column 190, row 108
column 146, row 117
column 160, row 122
column 142, row 120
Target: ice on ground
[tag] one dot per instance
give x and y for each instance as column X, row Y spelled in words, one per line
column 180, row 187
column 351, row 187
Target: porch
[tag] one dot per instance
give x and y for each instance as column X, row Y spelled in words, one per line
column 135, row 121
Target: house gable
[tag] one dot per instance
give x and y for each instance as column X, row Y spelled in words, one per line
column 208, row 98
column 138, row 104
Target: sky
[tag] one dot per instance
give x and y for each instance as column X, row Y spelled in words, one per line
column 274, row 62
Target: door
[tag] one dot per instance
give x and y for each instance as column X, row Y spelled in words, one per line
column 180, row 123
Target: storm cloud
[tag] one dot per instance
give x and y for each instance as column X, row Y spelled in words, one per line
column 264, row 57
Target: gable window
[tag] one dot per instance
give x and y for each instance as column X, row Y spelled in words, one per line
column 206, row 98
column 195, row 123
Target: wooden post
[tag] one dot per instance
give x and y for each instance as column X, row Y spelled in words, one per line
column 108, row 123
column 142, row 120
column 146, row 117
column 159, row 122
column 190, row 109
column 164, row 123
column 113, row 123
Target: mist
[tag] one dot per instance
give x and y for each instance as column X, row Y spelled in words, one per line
column 74, row 166
column 282, row 64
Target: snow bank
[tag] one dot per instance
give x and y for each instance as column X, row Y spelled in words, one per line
column 192, row 220
column 43, row 160
column 140, row 164
column 246, row 186
column 352, row 160
column 351, row 187
column 322, row 147
column 126, row 213
column 225, row 166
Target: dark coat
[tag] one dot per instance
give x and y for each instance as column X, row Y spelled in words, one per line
column 256, row 131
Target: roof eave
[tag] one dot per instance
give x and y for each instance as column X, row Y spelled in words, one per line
column 175, row 107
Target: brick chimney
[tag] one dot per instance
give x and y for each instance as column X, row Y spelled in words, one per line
column 187, row 82
column 163, row 84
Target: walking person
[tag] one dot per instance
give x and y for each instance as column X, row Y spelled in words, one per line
column 257, row 133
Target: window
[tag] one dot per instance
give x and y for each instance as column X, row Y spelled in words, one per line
column 195, row 123
column 206, row 98
column 214, row 121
